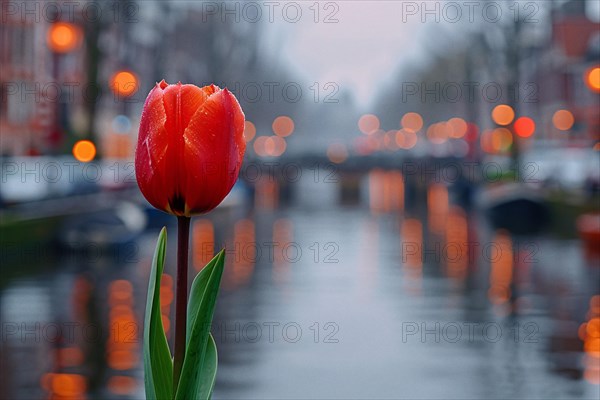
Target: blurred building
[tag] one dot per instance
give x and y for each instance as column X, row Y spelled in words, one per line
column 24, row 122
column 39, row 78
column 57, row 60
column 561, row 73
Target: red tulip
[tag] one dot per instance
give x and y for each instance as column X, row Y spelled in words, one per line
column 190, row 147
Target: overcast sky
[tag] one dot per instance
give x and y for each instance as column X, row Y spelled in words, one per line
column 372, row 39
column 359, row 52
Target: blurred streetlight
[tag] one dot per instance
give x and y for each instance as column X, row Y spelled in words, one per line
column 524, row 127
column 259, row 146
column 84, row 151
column 337, row 152
column 275, row 146
column 368, row 124
column 412, row 121
column 438, row 133
column 269, row 146
column 63, row 37
column 563, row 120
column 283, row 126
column 124, row 83
column 458, row 128
column 501, row 140
column 592, row 78
column 503, row 114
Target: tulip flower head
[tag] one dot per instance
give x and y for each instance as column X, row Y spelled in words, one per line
column 190, row 147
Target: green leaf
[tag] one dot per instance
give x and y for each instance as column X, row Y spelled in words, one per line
column 200, row 364
column 158, row 365
column 209, row 367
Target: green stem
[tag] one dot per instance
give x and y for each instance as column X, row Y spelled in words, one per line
column 183, row 235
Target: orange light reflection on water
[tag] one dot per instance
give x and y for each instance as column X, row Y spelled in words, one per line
column 501, row 275
column 244, row 243
column 64, row 386
column 266, row 195
column 456, row 251
column 437, row 207
column 283, row 238
column 203, row 236
column 122, row 345
column 412, row 254
column 589, row 333
column 386, row 191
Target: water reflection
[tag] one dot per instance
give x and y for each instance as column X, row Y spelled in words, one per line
column 386, row 191
column 589, row 333
column 244, row 244
column 457, row 243
column 437, row 207
column 203, row 239
column 329, row 301
column 283, row 244
column 412, row 259
column 501, row 275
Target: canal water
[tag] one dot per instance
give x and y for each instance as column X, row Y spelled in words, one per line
column 374, row 299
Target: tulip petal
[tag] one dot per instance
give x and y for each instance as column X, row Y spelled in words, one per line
column 190, row 147
column 214, row 148
column 180, row 102
column 151, row 151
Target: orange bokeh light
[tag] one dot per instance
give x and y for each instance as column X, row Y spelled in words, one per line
column 400, row 138
column 503, row 114
column 563, row 120
column 84, row 151
column 259, row 146
column 275, row 146
column 337, row 152
column 501, row 139
column 280, row 146
column 410, row 140
column 524, row 127
column 438, row 133
column 412, row 121
column 593, row 328
column 283, row 126
column 457, row 128
column 592, row 78
column 63, row 37
column 389, row 140
column 65, row 385
column 124, row 83
column 368, row 124
column 249, row 131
